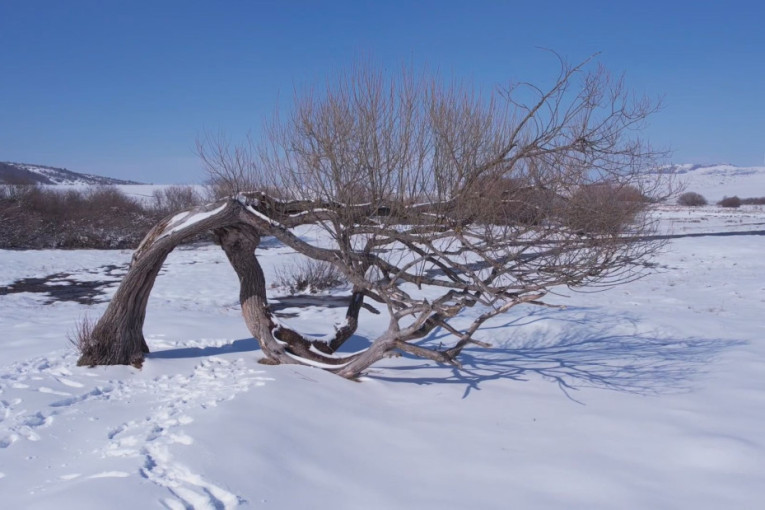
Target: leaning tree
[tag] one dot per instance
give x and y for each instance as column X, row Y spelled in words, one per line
column 446, row 206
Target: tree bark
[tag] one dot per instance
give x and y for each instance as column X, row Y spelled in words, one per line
column 117, row 338
column 239, row 242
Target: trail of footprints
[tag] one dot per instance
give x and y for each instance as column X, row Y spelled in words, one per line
column 213, row 381
column 37, row 375
column 149, row 438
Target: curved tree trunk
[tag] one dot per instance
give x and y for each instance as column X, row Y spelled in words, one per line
column 279, row 343
column 117, row 338
column 239, row 242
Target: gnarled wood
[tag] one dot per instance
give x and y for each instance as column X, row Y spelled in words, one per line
column 239, row 242
column 117, row 338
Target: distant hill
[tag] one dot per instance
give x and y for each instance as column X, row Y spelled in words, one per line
column 24, row 173
column 720, row 180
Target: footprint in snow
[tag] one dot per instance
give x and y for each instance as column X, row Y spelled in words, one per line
column 45, row 389
column 69, row 382
column 97, row 392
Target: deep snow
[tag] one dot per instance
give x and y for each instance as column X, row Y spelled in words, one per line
column 649, row 395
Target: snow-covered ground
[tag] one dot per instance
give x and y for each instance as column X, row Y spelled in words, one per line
column 710, row 219
column 650, row 395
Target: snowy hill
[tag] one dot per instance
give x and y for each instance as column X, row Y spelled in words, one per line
column 23, row 173
column 718, row 181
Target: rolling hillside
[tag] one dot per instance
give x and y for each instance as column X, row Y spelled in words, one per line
column 24, row 173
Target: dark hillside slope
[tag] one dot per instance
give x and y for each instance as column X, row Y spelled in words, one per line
column 24, row 173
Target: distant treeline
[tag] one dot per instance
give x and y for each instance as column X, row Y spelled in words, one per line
column 35, row 217
column 103, row 217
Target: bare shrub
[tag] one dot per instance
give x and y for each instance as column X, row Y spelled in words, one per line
column 15, row 191
column 231, row 168
column 604, row 208
column 753, row 201
column 100, row 199
column 691, row 199
column 101, row 217
column 510, row 201
column 309, row 275
column 172, row 199
column 730, row 202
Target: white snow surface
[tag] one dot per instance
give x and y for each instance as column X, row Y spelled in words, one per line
column 186, row 219
column 649, row 395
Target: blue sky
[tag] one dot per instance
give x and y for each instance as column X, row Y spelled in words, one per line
column 124, row 88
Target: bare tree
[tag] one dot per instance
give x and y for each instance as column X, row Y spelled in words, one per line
column 445, row 205
column 231, row 167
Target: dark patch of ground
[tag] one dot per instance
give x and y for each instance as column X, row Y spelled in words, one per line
column 64, row 287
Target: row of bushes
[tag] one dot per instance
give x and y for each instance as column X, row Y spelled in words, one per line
column 34, row 217
column 604, row 207
column 693, row 199
column 753, row 201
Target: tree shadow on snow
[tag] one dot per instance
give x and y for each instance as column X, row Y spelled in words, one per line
column 575, row 349
column 241, row 345
column 583, row 349
column 355, row 343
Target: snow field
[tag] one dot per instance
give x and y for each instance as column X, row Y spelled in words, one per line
column 649, row 395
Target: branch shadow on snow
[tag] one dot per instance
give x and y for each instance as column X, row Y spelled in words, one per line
column 589, row 350
column 575, row 349
column 355, row 343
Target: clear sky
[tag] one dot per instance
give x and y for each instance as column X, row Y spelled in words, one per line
column 124, row 88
